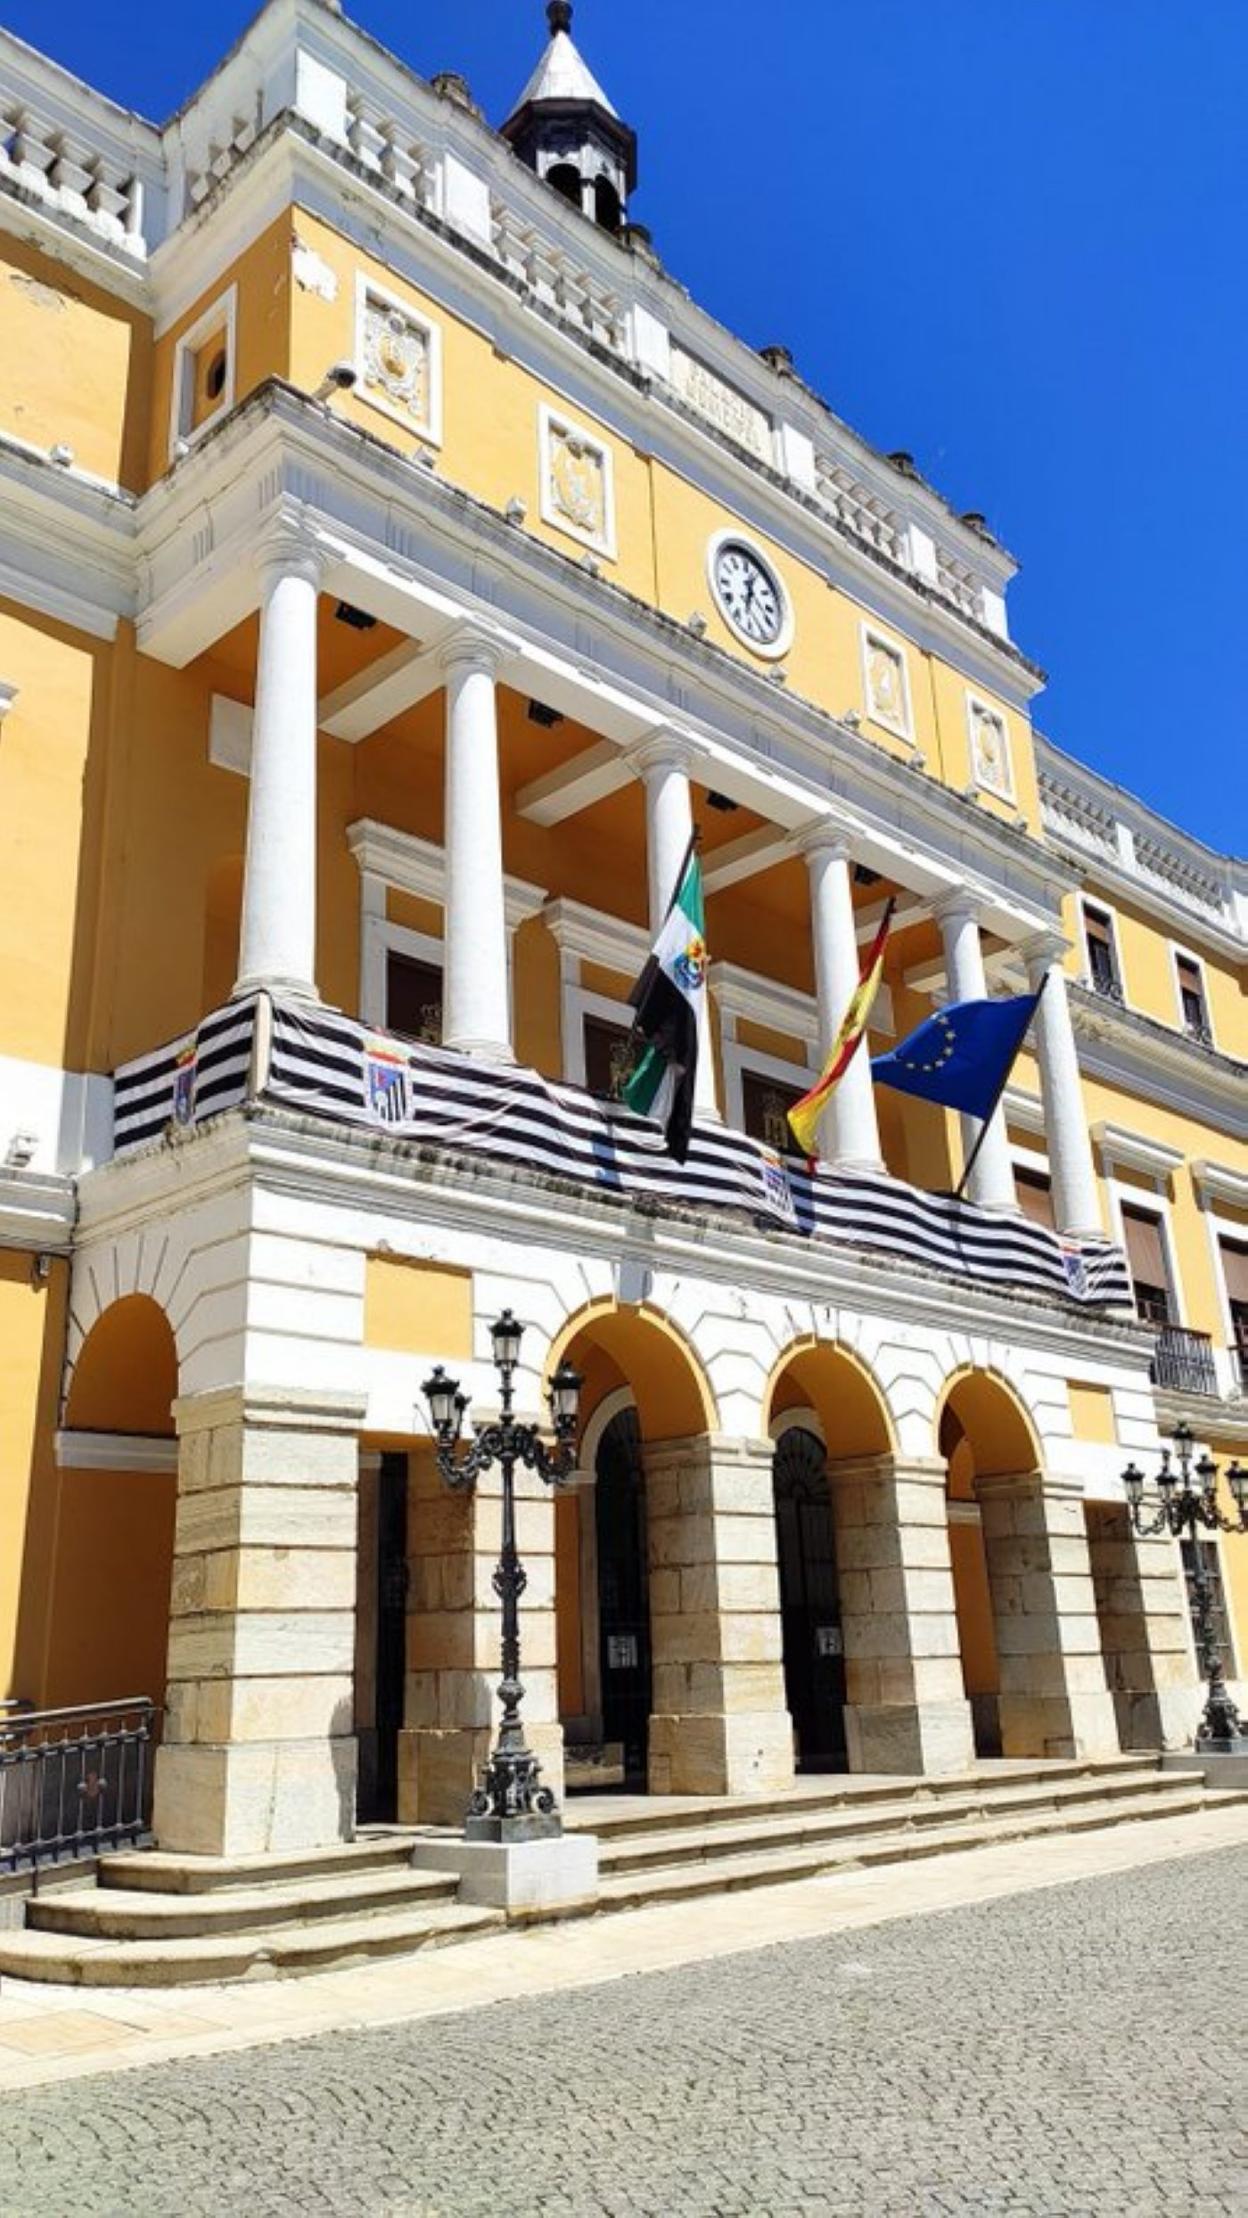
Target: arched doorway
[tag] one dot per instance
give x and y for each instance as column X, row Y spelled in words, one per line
column 810, row 1604
column 623, row 1584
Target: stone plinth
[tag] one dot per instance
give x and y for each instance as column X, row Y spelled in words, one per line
column 719, row 1725
column 259, row 1749
column 1142, row 1609
column 906, row 1710
column 1054, row 1698
column 525, row 1878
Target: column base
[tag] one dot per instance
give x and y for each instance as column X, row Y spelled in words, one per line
column 254, row 1798
column 284, row 989
column 1070, row 1725
column 438, row 1769
column 482, row 1051
column 919, row 1739
column 717, row 1752
column 1164, row 1717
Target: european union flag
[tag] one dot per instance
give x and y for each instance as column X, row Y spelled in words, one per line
column 962, row 1056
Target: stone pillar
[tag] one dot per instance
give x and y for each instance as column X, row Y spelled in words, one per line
column 451, row 1707
column 665, row 763
column 475, row 993
column 850, row 1128
column 906, row 1710
column 720, row 1725
column 1076, row 1201
column 1145, row 1637
column 277, row 947
column 1054, row 1699
column 992, row 1180
column 259, row 1748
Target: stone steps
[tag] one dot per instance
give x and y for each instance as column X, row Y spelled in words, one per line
column 799, row 1826
column 118, row 1914
column 162, row 1920
column 333, row 1944
column 774, row 1866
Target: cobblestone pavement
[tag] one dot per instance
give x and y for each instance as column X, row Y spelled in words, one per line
column 1080, row 2049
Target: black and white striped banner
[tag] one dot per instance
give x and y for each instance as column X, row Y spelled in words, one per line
column 326, row 1065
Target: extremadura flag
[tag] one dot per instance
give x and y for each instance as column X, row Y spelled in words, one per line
column 668, row 999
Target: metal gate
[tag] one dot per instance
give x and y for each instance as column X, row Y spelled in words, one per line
column 810, row 1603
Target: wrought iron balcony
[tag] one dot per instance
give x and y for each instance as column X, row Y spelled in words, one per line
column 1183, row 1363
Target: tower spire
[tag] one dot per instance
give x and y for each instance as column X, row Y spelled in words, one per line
column 565, row 128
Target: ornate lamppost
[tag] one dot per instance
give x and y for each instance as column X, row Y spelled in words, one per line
column 1187, row 1511
column 509, row 1804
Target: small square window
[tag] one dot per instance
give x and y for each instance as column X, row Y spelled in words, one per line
column 204, row 371
column 1193, row 1007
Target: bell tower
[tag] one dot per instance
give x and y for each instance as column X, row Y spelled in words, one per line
column 566, row 129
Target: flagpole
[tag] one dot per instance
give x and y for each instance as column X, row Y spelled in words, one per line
column 695, row 838
column 973, row 1158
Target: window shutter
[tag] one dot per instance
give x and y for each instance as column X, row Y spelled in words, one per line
column 1144, row 1248
column 1235, row 1265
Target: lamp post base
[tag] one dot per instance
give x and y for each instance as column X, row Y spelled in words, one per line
column 526, row 1878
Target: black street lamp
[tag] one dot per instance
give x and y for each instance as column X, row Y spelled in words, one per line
column 1186, row 1510
column 509, row 1805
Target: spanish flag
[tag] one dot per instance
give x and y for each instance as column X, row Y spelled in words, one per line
column 805, row 1114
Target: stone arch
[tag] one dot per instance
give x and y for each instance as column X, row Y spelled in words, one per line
column 112, row 1563
column 986, row 1410
column 834, row 1381
column 639, row 1347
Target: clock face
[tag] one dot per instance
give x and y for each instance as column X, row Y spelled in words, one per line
column 749, row 594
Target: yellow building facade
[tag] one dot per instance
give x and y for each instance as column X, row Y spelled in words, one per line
column 397, row 566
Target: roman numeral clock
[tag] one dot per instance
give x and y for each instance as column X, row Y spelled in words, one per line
column 749, row 595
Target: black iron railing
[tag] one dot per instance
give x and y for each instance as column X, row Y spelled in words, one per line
column 74, row 1783
column 1184, row 1361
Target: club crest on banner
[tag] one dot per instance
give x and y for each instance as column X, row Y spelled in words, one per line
column 184, row 1074
column 387, row 1082
column 777, row 1192
column 1074, row 1263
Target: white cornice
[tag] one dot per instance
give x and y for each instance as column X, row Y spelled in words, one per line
column 418, row 867
column 66, row 542
column 1218, row 1182
column 762, row 1001
column 1135, row 1151
column 407, row 543
column 37, row 1211
column 1149, row 1060
column 1024, row 1111
column 591, row 936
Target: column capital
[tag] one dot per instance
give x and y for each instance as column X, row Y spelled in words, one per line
column 824, row 837
column 287, row 548
column 1042, row 951
column 280, row 1408
column 956, row 903
column 664, row 750
column 470, row 647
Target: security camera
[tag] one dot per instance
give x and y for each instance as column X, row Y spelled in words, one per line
column 340, row 377
column 852, row 717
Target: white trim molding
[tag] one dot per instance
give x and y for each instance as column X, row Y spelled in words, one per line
column 585, row 935
column 1179, row 953
column 37, row 1211
column 1217, row 1182
column 388, row 857
column 1024, row 1111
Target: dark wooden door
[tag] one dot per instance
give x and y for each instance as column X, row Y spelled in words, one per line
column 810, row 1603
column 623, row 1592
column 391, row 1630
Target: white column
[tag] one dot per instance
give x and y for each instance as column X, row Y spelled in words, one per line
column 476, row 1001
column 849, row 1128
column 992, row 1180
column 277, row 947
column 1076, row 1201
column 664, row 763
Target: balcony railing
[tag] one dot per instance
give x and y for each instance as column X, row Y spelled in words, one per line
column 1183, row 1362
column 74, row 1783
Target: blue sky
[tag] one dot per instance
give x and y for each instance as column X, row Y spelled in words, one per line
column 1007, row 235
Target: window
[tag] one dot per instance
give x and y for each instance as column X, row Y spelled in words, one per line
column 203, row 371
column 1098, row 931
column 1035, row 1196
column 1205, row 1554
column 766, row 1103
column 1146, row 1261
column 413, row 999
column 608, row 1055
column 1192, row 1005
column 1235, row 1271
